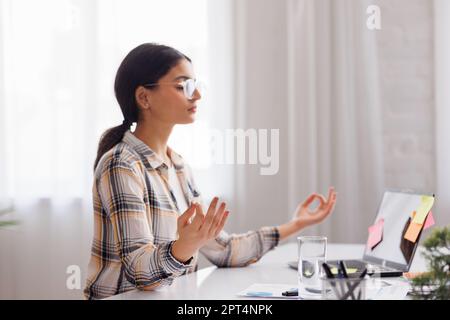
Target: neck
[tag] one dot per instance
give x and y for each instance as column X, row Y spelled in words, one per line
column 155, row 135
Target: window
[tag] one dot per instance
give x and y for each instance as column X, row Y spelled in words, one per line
column 58, row 63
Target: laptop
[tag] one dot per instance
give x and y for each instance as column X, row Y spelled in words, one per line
column 393, row 255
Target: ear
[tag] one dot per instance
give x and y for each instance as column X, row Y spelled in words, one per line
column 142, row 97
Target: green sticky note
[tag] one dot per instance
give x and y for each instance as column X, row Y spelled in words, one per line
column 425, row 207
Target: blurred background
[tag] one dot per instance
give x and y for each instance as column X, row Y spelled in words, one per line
column 362, row 110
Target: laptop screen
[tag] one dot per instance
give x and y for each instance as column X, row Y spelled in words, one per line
column 396, row 210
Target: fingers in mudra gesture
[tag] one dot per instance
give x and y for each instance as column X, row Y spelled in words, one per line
column 194, row 233
column 304, row 216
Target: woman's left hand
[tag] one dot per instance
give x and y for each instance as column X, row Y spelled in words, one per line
column 304, row 217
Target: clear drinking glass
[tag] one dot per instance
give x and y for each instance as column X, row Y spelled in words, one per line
column 312, row 252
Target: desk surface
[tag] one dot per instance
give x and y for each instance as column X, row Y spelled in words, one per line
column 224, row 283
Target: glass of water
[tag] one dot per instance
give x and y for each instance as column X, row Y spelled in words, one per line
column 312, row 252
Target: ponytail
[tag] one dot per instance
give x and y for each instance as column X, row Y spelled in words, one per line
column 110, row 138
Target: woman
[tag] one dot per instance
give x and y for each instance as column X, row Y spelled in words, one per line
column 149, row 223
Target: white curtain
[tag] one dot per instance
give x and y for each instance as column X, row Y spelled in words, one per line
column 59, row 59
column 335, row 135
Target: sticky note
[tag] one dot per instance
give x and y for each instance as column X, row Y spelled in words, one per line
column 413, row 231
column 334, row 270
column 429, row 222
column 375, row 234
column 259, row 294
column 424, row 207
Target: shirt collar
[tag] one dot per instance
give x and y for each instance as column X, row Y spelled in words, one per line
column 154, row 160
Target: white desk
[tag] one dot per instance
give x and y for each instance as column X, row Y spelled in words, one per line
column 223, row 283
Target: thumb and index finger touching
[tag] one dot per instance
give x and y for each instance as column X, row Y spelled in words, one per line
column 321, row 198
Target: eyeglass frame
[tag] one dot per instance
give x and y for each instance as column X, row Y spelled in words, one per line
column 183, row 83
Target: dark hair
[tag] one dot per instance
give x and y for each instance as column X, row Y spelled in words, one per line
column 146, row 63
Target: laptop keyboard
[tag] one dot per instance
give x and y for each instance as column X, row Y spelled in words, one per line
column 361, row 265
column 354, row 264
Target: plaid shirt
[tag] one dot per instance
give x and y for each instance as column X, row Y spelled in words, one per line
column 135, row 224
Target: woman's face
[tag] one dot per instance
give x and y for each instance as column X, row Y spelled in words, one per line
column 167, row 102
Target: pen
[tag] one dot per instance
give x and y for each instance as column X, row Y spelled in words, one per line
column 345, row 275
column 340, row 275
column 342, row 267
column 330, row 276
column 327, row 270
column 292, row 292
column 339, row 272
column 363, row 274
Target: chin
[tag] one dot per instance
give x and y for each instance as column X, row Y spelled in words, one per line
column 187, row 121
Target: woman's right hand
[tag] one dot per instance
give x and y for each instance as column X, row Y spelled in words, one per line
column 194, row 234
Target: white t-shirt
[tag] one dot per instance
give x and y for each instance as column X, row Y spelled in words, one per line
column 174, row 183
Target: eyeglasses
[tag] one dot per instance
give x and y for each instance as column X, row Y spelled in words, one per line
column 189, row 86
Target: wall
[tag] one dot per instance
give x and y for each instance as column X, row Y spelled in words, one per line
column 405, row 53
column 407, row 93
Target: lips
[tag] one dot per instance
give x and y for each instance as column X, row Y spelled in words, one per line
column 193, row 109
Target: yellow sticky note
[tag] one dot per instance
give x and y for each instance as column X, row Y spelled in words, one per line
column 334, row 270
column 413, row 231
column 425, row 207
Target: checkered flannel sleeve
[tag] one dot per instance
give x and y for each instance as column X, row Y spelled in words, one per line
column 239, row 250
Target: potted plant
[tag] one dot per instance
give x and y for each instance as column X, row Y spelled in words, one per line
column 435, row 284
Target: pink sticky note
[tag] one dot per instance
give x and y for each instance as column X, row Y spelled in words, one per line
column 375, row 234
column 429, row 222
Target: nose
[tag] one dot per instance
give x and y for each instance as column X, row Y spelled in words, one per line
column 196, row 95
